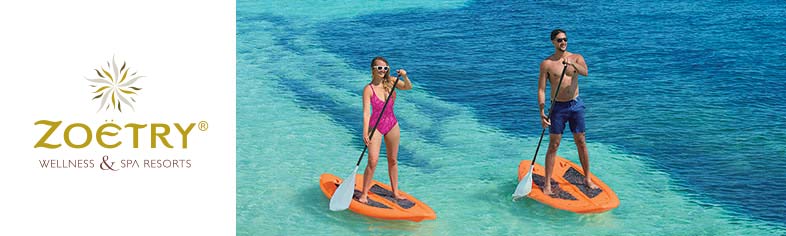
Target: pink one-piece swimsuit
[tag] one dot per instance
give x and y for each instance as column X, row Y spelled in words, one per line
column 388, row 120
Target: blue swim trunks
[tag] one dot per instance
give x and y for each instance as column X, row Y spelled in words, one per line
column 571, row 112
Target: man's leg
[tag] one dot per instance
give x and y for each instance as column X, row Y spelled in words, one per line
column 581, row 146
column 554, row 140
column 578, row 128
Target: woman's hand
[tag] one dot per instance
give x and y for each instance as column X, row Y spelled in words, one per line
column 401, row 72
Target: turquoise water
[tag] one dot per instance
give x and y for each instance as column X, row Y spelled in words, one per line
column 301, row 67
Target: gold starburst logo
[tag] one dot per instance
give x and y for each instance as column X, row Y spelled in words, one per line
column 114, row 86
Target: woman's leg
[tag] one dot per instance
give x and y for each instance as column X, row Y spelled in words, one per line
column 373, row 156
column 392, row 140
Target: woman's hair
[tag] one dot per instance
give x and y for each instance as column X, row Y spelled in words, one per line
column 386, row 83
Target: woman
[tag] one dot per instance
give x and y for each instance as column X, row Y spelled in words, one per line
column 374, row 96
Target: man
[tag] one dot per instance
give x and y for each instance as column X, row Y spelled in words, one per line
column 567, row 107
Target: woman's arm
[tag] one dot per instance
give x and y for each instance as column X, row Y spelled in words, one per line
column 366, row 113
column 405, row 83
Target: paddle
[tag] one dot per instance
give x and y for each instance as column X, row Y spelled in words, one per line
column 525, row 185
column 343, row 195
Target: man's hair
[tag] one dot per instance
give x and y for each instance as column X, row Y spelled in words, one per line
column 555, row 32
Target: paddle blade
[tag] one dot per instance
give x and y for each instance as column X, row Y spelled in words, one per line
column 525, row 185
column 343, row 195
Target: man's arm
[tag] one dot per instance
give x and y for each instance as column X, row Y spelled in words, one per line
column 580, row 65
column 542, row 78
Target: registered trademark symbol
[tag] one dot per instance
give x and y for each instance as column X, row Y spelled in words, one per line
column 203, row 125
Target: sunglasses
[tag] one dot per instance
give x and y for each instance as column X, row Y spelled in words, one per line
column 559, row 40
column 380, row 67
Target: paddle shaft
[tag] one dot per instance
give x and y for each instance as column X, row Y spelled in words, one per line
column 549, row 116
column 380, row 117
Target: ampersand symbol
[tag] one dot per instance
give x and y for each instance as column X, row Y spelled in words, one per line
column 107, row 166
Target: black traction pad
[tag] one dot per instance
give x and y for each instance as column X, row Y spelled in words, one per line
column 576, row 178
column 557, row 191
column 356, row 196
column 387, row 194
column 373, row 203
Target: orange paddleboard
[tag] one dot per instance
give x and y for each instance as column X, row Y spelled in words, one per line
column 570, row 192
column 381, row 203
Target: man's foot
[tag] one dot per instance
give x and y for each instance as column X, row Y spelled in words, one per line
column 588, row 182
column 398, row 196
column 363, row 199
column 547, row 190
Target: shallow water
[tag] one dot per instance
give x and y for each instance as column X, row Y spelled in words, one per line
column 672, row 123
